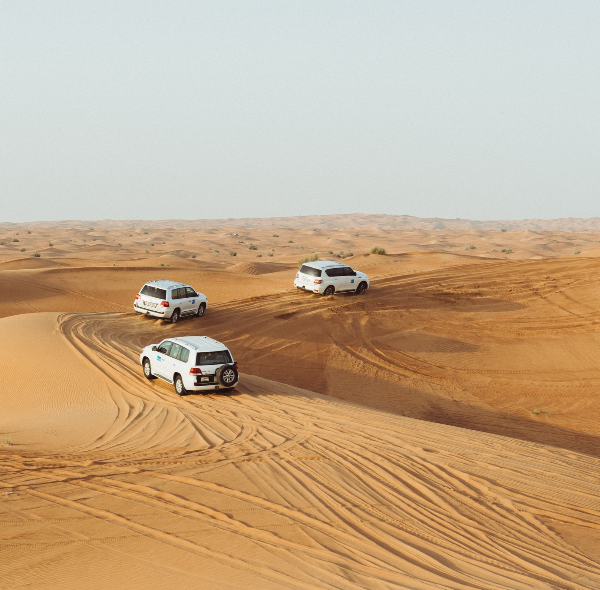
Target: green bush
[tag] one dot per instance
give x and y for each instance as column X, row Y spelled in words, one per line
column 503, row 230
column 2, row 243
column 275, row 235
column 259, row 255
column 290, row 241
column 147, row 251
column 22, row 249
column 270, row 253
column 15, row 240
column 192, row 256
column 232, row 253
column 308, row 259
column 36, row 255
column 506, row 250
column 577, row 252
column 252, row 247
column 377, row 250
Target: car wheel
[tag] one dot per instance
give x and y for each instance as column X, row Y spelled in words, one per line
column 329, row 291
column 201, row 310
column 174, row 316
column 147, row 369
column 227, row 376
column 360, row 290
column 179, row 386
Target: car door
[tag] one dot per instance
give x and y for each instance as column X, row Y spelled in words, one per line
column 350, row 278
column 192, row 300
column 175, row 362
column 162, row 360
column 332, row 277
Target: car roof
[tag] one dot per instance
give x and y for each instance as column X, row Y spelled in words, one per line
column 166, row 284
column 200, row 343
column 324, row 264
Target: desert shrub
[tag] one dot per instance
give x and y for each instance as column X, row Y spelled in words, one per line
column 300, row 247
column 28, row 232
column 252, row 247
column 50, row 244
column 503, row 230
column 270, row 253
column 356, row 235
column 2, row 243
column 506, row 250
column 15, row 240
column 577, row 252
column 329, row 251
column 290, row 241
column 192, row 256
column 471, row 247
column 36, row 255
column 308, row 259
column 145, row 233
column 259, row 255
column 119, row 244
column 22, row 249
column 232, row 253
column 147, row 251
column 275, row 235
column 377, row 250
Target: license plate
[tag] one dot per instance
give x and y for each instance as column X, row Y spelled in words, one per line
column 204, row 379
column 148, row 304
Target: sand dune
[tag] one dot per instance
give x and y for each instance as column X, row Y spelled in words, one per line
column 439, row 432
column 275, row 486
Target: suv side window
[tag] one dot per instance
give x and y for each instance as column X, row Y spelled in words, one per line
column 175, row 350
column 176, row 294
column 184, row 355
column 348, row 272
column 164, row 347
column 189, row 292
column 334, row 272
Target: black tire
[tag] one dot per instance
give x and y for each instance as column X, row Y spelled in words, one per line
column 227, row 375
column 175, row 316
column 360, row 290
column 201, row 310
column 329, row 291
column 147, row 369
column 179, row 386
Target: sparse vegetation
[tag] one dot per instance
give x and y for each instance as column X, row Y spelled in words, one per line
column 329, row 251
column 377, row 250
column 50, row 244
column 471, row 247
column 28, row 232
column 308, row 259
column 252, row 247
column 36, row 255
column 15, row 240
column 23, row 249
column 503, row 230
column 506, row 250
column 192, row 256
column 119, row 244
column 232, row 253
column 152, row 243
column 145, row 233
column 2, row 243
column 290, row 241
column 7, row 441
column 259, row 255
column 577, row 252
column 275, row 235
column 270, row 253
column 147, row 251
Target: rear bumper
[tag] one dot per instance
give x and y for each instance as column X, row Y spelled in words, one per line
column 153, row 312
column 312, row 288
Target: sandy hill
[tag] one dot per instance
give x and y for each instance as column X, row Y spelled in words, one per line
column 439, row 432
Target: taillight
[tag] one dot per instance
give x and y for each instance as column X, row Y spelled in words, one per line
column 318, row 281
column 195, row 371
column 138, row 296
column 164, row 303
column 235, row 366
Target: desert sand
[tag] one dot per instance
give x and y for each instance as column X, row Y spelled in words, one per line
column 440, row 432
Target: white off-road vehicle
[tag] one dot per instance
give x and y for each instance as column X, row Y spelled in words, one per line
column 191, row 363
column 169, row 300
column 327, row 277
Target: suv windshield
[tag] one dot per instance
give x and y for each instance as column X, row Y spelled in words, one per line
column 151, row 291
column 213, row 358
column 310, row 271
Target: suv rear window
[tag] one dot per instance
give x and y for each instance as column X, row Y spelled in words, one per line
column 151, row 291
column 213, row 358
column 310, row 271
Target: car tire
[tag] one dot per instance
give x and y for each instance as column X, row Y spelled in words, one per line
column 330, row 290
column 174, row 316
column 227, row 376
column 201, row 310
column 147, row 369
column 179, row 386
column 360, row 290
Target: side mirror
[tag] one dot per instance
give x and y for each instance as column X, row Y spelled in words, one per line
column 154, row 348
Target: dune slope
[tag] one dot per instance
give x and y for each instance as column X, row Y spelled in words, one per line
column 277, row 487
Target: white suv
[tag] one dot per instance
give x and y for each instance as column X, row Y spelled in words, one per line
column 327, row 277
column 191, row 363
column 169, row 300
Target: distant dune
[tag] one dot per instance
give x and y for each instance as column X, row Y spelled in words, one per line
column 345, row 221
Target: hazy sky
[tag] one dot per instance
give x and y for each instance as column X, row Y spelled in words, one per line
column 190, row 109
